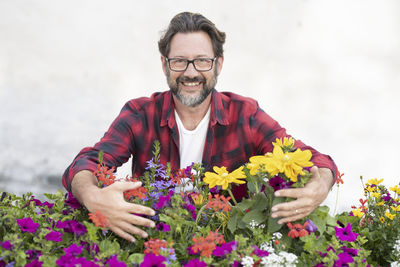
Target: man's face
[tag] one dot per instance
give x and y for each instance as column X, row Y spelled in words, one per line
column 192, row 87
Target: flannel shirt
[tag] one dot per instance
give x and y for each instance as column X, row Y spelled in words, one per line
column 238, row 129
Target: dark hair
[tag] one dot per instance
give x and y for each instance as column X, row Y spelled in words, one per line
column 187, row 22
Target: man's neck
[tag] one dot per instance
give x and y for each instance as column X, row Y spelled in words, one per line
column 192, row 116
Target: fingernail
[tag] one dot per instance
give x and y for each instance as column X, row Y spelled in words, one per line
column 274, row 215
column 277, row 194
column 152, row 213
column 274, row 209
column 152, row 224
column 145, row 235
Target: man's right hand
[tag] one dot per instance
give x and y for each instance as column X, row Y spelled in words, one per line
column 122, row 217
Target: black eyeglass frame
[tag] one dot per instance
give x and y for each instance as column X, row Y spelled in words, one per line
column 190, row 61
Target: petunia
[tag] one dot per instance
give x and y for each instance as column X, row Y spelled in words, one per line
column 346, row 234
column 351, row 251
column 311, row 227
column 224, row 249
column 151, row 260
column 27, row 225
column 72, row 201
column 164, row 200
column 6, row 245
column 54, row 236
column 34, row 263
column 114, row 262
column 195, row 263
column 72, row 226
column 73, row 250
column 278, row 183
column 344, row 259
column 163, row 227
column 259, row 252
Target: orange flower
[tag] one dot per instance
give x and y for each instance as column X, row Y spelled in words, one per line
column 207, row 245
column 139, row 192
column 104, row 174
column 339, row 179
column 218, row 203
column 98, row 219
column 176, row 179
column 297, row 230
column 153, row 246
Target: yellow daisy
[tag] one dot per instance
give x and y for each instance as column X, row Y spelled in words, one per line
column 223, row 177
column 284, row 142
column 375, row 181
column 380, row 203
column 390, row 216
column 358, row 213
column 395, row 208
column 382, row 219
column 376, row 195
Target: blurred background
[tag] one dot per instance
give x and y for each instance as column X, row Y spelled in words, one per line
column 327, row 71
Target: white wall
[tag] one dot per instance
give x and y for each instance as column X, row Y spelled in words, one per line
column 328, row 71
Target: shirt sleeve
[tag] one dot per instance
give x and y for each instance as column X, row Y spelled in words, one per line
column 117, row 145
column 265, row 131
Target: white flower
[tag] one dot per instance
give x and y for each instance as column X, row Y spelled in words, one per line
column 395, row 264
column 267, row 247
column 253, row 224
column 276, row 235
column 247, row 261
column 290, row 258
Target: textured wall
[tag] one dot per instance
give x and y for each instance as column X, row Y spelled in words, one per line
column 328, row 71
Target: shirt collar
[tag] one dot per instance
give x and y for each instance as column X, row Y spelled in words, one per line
column 218, row 110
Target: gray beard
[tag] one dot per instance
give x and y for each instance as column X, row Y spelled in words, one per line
column 191, row 101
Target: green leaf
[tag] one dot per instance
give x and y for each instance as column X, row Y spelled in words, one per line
column 135, row 258
column 108, row 248
column 255, row 215
column 232, row 223
column 260, row 202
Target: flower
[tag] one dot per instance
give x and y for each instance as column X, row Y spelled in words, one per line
column 278, row 183
column 389, row 215
column 297, row 230
column 163, row 227
column 195, row 263
column 375, row 181
column 223, row 177
column 344, row 258
column 154, row 245
column 339, row 179
column 151, row 260
column 382, row 219
column 27, row 225
column 346, row 234
column 72, row 201
column 34, row 263
column 164, row 200
column 73, row 250
column 54, row 236
column 311, row 227
column 358, row 212
column 114, row 262
column 72, row 226
column 224, row 249
column 6, row 245
column 259, row 252
column 98, row 219
column 286, row 142
column 218, row 203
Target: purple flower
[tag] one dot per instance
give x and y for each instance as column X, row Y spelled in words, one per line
column 114, row 262
column 73, row 250
column 34, row 263
column 32, row 254
column 311, row 227
column 163, row 227
column 65, row 260
column 188, row 170
column 387, row 197
column 346, row 234
column 151, row 260
column 27, row 225
column 215, row 189
column 224, row 249
column 6, row 245
column 195, row 263
column 278, row 183
column 164, row 200
column 190, row 208
column 259, row 252
column 72, row 201
column 72, row 226
column 344, row 259
column 54, row 236
column 351, row 251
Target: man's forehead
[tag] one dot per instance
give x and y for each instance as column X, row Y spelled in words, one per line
column 192, row 44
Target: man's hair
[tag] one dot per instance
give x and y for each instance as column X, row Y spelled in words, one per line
column 187, row 22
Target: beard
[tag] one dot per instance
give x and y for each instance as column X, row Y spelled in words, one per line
column 188, row 100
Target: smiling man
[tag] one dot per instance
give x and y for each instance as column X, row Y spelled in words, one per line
column 194, row 123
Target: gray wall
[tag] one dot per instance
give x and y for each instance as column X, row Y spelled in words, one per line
column 328, row 71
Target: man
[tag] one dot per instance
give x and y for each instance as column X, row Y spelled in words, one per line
column 194, row 123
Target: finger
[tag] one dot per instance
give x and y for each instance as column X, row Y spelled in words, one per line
column 138, row 220
column 293, row 217
column 292, row 192
column 131, row 229
column 118, row 231
column 314, row 172
column 139, row 209
column 125, row 186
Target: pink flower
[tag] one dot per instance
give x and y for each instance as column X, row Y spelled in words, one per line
column 54, row 236
column 27, row 225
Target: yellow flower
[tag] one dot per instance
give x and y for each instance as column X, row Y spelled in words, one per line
column 376, row 195
column 395, row 189
column 390, row 216
column 380, row 203
column 284, row 142
column 358, row 213
column 370, row 189
column 198, row 199
column 382, row 219
column 395, row 208
column 256, row 163
column 289, row 163
column 223, row 177
column 375, row 181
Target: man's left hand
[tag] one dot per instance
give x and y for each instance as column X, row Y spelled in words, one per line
column 307, row 199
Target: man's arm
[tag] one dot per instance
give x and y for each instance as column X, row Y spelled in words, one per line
column 111, row 203
column 307, row 199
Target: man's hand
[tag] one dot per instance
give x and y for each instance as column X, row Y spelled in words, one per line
column 307, row 199
column 122, row 217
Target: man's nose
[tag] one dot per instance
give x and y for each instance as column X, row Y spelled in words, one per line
column 191, row 70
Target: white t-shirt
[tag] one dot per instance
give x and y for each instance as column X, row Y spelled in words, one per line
column 191, row 143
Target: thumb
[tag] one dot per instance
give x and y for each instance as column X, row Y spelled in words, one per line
column 315, row 172
column 125, row 186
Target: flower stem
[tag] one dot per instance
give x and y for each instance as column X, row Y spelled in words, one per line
column 337, row 198
column 233, row 198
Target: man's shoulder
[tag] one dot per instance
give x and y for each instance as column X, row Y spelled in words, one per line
column 238, row 100
column 155, row 100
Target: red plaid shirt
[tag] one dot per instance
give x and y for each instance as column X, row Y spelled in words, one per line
column 238, row 129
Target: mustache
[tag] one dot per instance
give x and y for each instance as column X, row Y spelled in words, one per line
column 186, row 79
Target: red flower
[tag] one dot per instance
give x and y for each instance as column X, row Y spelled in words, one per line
column 104, row 174
column 218, row 203
column 297, row 230
column 153, row 246
column 207, row 245
column 139, row 192
column 339, row 178
column 98, row 219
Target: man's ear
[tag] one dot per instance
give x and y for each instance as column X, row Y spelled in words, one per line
column 220, row 63
column 164, row 64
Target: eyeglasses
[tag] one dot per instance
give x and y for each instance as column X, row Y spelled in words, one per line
column 181, row 64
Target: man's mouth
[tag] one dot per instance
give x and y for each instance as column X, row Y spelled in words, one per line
column 191, row 83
